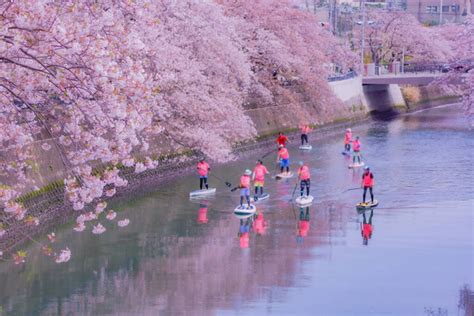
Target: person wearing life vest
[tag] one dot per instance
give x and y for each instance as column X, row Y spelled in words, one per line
column 348, row 140
column 366, row 228
column 282, row 139
column 283, row 158
column 245, row 188
column 305, row 178
column 356, row 149
column 203, row 170
column 258, row 176
column 367, row 183
column 303, row 225
column 305, row 129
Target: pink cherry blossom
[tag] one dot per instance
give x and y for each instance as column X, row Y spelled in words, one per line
column 64, row 256
column 111, row 215
column 110, row 192
column 80, row 226
column 46, row 146
column 98, row 229
column 124, row 222
column 52, row 237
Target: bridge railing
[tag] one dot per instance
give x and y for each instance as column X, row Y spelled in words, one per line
column 396, row 68
column 338, row 77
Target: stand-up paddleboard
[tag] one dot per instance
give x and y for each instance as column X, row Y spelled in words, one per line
column 284, row 175
column 304, row 200
column 367, row 205
column 199, row 193
column 244, row 211
column 306, row 147
column 261, row 197
column 356, row 165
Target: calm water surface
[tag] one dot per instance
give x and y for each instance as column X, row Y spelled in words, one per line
column 183, row 257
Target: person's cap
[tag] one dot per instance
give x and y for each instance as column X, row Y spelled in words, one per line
column 248, row 172
column 259, row 161
column 202, row 159
column 357, row 137
column 300, row 163
column 281, row 146
column 366, row 168
column 348, row 129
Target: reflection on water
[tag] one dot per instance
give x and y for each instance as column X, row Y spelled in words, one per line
column 410, row 255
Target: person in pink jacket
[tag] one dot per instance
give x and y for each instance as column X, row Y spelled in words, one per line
column 259, row 173
column 245, row 188
column 305, row 129
column 305, row 178
column 203, row 171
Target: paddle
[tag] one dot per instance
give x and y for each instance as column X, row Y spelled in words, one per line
column 268, row 153
column 294, row 190
column 226, row 183
column 351, row 189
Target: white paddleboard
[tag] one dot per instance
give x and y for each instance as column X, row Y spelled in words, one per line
column 356, row 165
column 306, row 147
column 304, row 200
column 367, row 205
column 238, row 211
column 204, row 192
column 284, row 175
column 258, row 198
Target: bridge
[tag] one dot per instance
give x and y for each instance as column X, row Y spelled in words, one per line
column 401, row 78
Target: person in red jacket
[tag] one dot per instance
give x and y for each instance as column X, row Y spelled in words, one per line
column 366, row 228
column 282, row 139
column 367, row 183
column 305, row 178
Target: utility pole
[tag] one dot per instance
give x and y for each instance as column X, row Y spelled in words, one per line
column 440, row 12
column 362, row 44
column 403, row 60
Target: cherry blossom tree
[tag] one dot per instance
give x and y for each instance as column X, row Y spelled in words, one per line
column 98, row 82
column 460, row 77
column 392, row 33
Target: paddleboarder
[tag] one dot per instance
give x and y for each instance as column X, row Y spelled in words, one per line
column 305, row 129
column 368, row 183
column 258, row 176
column 282, row 139
column 347, row 140
column 203, row 171
column 356, row 149
column 245, row 188
column 283, row 158
column 305, row 178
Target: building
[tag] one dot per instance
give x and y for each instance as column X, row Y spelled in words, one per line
column 439, row 11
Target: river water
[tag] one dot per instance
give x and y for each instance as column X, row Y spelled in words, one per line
column 185, row 257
